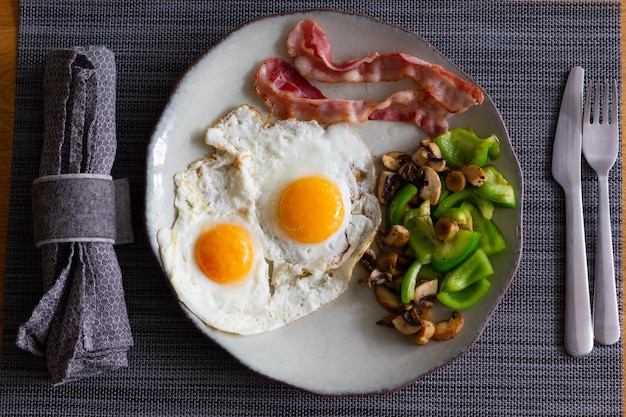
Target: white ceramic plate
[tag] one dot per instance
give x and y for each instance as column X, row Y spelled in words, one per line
column 338, row 350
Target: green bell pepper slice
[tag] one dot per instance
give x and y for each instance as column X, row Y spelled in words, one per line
column 492, row 241
column 466, row 298
column 485, row 207
column 463, row 147
column 400, row 204
column 428, row 273
column 422, row 240
column 407, row 289
column 497, row 189
column 453, row 200
column 473, row 269
column 455, row 250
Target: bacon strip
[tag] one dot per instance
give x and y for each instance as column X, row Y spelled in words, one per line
column 289, row 95
column 308, row 46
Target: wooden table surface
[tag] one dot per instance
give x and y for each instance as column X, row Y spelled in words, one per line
column 9, row 20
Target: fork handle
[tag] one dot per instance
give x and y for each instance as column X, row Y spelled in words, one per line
column 605, row 316
column 578, row 324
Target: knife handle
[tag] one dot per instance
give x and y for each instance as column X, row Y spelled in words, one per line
column 578, row 324
column 605, row 316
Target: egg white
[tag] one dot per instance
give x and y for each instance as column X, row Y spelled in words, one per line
column 252, row 163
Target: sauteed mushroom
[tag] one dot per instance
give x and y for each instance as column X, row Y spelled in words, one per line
column 397, row 237
column 368, row 260
column 424, row 334
column 389, row 300
column 445, row 228
column 387, row 261
column 429, row 155
column 475, row 175
column 388, row 184
column 447, row 329
column 404, row 326
column 410, row 172
column 377, row 277
column 455, row 181
column 431, row 190
column 426, row 290
column 394, row 160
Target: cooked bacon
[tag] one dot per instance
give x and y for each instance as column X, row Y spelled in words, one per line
column 310, row 50
column 289, row 95
column 414, row 106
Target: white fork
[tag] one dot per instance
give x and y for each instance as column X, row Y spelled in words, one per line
column 600, row 147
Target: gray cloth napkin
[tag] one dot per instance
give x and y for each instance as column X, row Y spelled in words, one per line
column 81, row 323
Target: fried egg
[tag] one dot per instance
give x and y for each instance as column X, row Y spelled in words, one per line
column 269, row 227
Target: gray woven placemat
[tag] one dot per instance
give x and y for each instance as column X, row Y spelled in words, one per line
column 520, row 52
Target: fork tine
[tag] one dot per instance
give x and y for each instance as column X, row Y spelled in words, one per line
column 605, row 104
column 596, row 103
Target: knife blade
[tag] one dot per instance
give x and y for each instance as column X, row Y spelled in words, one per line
column 566, row 162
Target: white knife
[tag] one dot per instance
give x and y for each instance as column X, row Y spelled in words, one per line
column 566, row 160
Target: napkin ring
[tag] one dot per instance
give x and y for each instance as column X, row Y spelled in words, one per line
column 76, row 207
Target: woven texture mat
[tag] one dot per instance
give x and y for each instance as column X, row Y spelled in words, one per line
column 519, row 52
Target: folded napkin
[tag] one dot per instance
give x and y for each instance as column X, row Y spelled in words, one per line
column 80, row 324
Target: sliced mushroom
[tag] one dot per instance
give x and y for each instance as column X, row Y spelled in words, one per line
column 421, row 156
column 424, row 334
column 389, row 300
column 412, row 314
column 455, row 181
column 439, row 165
column 432, row 147
column 426, row 289
column 447, row 329
column 404, row 326
column 429, row 155
column 387, row 261
column 378, row 277
column 368, row 260
column 431, row 188
column 397, row 237
column 426, row 308
column 424, row 142
column 388, row 184
column 446, row 228
column 475, row 175
column 410, row 172
column 394, row 160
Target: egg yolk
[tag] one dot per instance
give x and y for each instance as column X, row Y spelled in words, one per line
column 224, row 253
column 311, row 209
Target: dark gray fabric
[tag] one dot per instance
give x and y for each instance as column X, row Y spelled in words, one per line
column 520, row 52
column 69, row 209
column 80, row 325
